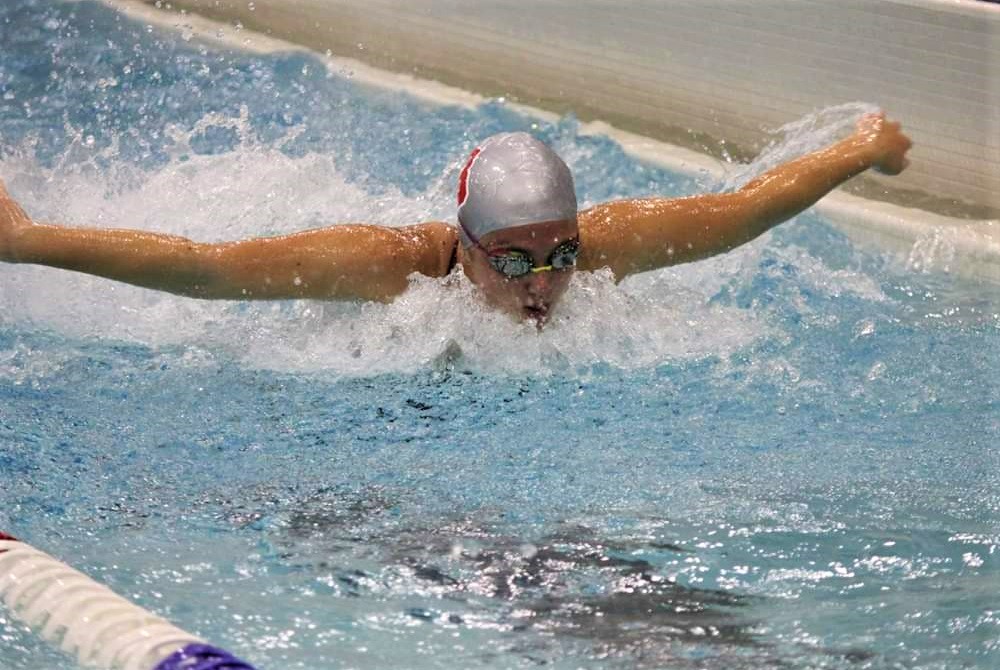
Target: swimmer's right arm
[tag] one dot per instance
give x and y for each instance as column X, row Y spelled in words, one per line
column 341, row 262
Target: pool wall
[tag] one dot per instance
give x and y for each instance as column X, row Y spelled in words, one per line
column 712, row 77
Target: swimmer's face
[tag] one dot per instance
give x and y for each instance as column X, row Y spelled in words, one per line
column 533, row 295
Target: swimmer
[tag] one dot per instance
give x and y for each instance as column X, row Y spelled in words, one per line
column 519, row 236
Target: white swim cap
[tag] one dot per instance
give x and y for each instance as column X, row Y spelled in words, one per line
column 511, row 180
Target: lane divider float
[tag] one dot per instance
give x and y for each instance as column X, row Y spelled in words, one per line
column 93, row 623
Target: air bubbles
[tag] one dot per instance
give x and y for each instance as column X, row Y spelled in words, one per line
column 876, row 371
column 972, row 560
column 864, row 328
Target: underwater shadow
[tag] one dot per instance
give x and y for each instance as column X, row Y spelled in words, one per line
column 567, row 586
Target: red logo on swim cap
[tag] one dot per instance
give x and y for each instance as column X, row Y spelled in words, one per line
column 463, row 179
column 5, row 536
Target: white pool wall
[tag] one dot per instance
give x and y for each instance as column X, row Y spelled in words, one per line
column 727, row 69
column 713, row 71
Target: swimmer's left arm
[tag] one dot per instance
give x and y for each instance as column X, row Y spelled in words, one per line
column 631, row 236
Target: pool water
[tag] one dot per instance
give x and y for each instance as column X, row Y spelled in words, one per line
column 786, row 456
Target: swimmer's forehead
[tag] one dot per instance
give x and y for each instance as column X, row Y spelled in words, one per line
column 544, row 234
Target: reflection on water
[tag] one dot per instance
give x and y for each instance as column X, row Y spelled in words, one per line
column 568, row 583
column 565, row 583
column 781, row 457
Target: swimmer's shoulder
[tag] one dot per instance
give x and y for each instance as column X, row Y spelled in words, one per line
column 438, row 246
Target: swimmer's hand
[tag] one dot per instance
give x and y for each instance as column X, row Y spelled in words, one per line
column 12, row 221
column 884, row 143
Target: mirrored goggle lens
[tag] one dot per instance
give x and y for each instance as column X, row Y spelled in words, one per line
column 565, row 255
column 512, row 264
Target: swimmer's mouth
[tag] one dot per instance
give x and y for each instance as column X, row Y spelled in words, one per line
column 539, row 313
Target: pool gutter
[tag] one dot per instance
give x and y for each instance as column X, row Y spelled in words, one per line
column 430, row 53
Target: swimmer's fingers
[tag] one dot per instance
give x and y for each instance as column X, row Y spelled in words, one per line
column 891, row 159
column 10, row 211
column 893, row 168
column 12, row 219
column 886, row 141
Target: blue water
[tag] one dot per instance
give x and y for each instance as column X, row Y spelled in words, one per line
column 783, row 457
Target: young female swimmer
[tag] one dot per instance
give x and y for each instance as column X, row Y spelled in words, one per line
column 519, row 236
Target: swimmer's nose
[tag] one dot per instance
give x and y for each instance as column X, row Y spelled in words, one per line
column 539, row 282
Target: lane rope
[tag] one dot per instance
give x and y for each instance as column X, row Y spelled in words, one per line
column 93, row 623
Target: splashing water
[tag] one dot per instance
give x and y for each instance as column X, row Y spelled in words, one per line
column 797, row 138
column 783, row 456
column 257, row 188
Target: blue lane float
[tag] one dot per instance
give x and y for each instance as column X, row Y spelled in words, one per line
column 93, row 623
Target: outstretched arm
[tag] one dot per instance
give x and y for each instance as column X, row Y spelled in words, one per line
column 631, row 236
column 340, row 262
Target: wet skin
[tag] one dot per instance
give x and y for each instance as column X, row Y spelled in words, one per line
column 533, row 296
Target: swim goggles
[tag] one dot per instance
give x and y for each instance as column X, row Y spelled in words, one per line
column 515, row 263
